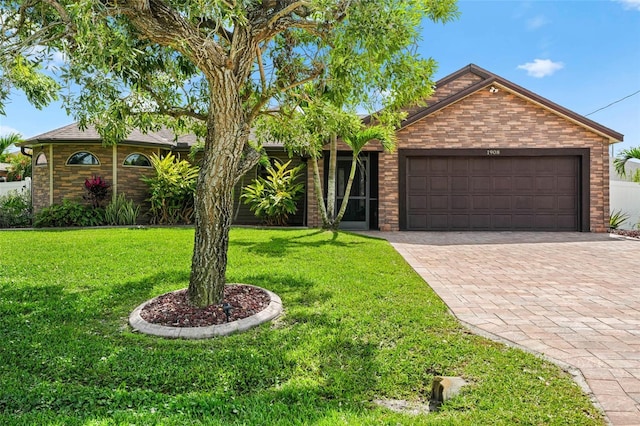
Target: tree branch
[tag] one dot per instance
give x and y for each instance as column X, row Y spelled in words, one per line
column 263, row 77
column 285, row 12
column 250, row 157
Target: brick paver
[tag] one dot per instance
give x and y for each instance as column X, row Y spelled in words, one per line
column 573, row 297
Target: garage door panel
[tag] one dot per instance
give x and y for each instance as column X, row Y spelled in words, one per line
column 502, row 221
column 460, row 202
column 480, row 221
column 459, row 221
column 461, row 166
column 501, row 166
column 503, row 183
column 439, row 221
column 438, row 183
column 459, row 183
column 481, row 202
column 524, row 165
column 418, row 203
column 490, row 193
column 438, row 166
column 524, row 202
column 546, row 202
column 546, row 183
column 417, row 184
column 567, row 221
column 523, row 184
column 419, row 166
column 418, row 221
column 439, row 202
column 481, row 183
column 501, row 202
column 567, row 202
column 567, row 184
column 523, row 221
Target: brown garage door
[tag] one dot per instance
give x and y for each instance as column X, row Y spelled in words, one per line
column 448, row 193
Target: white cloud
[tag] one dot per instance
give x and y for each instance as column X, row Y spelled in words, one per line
column 537, row 22
column 541, row 67
column 630, row 4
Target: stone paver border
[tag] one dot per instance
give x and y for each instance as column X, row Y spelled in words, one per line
column 273, row 310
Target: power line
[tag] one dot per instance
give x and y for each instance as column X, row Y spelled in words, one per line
column 613, row 103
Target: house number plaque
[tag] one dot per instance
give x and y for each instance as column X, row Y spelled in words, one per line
column 493, row 152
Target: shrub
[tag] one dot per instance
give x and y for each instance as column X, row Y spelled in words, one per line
column 97, row 190
column 617, row 218
column 121, row 212
column 171, row 190
column 15, row 210
column 275, row 197
column 19, row 168
column 69, row 213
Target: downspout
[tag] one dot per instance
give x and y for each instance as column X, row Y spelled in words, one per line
column 25, row 153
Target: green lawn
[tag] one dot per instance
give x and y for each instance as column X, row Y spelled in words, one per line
column 359, row 325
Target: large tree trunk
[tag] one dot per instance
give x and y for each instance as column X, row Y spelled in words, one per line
column 227, row 134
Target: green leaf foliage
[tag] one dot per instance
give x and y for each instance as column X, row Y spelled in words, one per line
column 15, row 210
column 171, row 190
column 274, row 197
column 121, row 212
column 617, row 218
column 621, row 160
column 69, row 214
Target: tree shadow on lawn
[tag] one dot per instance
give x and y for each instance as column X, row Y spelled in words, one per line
column 279, row 246
column 58, row 368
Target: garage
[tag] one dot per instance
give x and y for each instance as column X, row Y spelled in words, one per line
column 492, row 190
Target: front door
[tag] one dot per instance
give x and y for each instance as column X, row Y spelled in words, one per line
column 357, row 214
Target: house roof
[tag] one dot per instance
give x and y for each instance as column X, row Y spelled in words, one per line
column 72, row 133
column 164, row 138
column 488, row 79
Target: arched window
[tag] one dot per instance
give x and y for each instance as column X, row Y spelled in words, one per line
column 41, row 159
column 137, row 160
column 83, row 158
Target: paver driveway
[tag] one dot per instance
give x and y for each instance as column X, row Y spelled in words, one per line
column 574, row 297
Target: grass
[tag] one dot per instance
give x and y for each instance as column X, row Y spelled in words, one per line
column 359, row 325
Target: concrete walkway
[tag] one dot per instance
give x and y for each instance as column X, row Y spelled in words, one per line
column 573, row 297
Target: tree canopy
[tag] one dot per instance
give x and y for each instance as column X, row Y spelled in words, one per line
column 212, row 67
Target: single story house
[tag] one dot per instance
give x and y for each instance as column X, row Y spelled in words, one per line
column 63, row 158
column 484, row 154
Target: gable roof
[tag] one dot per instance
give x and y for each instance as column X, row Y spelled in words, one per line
column 164, row 138
column 487, row 79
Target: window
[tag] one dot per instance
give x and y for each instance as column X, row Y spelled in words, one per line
column 83, row 158
column 137, row 160
column 41, row 159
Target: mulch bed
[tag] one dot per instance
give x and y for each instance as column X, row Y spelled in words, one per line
column 173, row 309
column 626, row 233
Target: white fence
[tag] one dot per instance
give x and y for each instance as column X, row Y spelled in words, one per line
column 625, row 197
column 20, row 186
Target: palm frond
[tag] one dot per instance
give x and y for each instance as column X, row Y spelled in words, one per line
column 384, row 134
column 621, row 160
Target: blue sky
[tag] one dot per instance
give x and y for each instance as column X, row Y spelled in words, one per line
column 581, row 54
